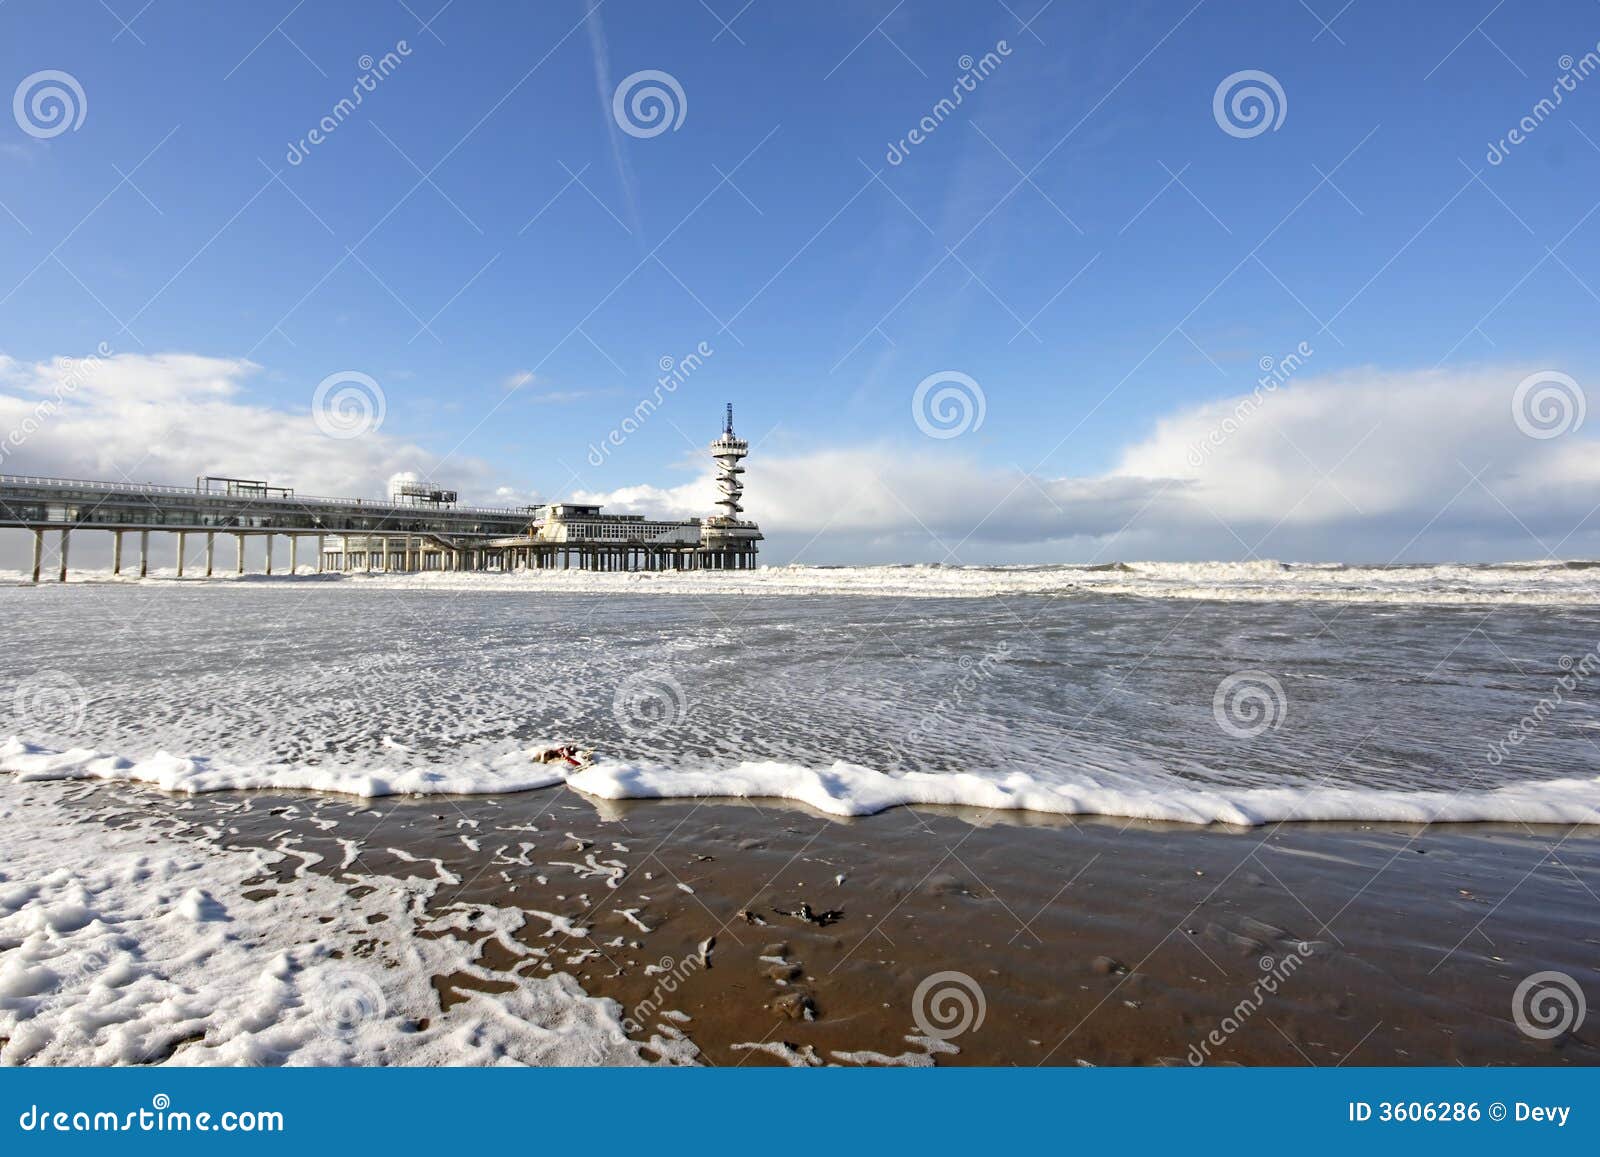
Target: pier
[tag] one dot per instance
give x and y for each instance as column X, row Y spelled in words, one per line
column 417, row 529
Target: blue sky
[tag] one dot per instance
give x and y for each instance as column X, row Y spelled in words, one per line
column 1080, row 237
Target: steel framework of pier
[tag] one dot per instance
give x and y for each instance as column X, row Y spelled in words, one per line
column 379, row 536
column 409, row 554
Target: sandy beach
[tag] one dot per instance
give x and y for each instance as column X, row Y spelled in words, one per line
column 750, row 933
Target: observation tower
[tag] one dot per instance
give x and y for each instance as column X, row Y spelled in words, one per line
column 728, row 541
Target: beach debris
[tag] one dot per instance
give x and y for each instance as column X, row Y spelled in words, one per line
column 796, row 1006
column 784, row 971
column 705, row 948
column 776, row 952
column 682, row 887
column 820, row 919
column 568, row 753
column 838, row 881
column 1108, row 966
column 703, row 859
column 583, row 844
column 750, row 917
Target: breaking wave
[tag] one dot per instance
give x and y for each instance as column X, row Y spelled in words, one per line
column 841, row 789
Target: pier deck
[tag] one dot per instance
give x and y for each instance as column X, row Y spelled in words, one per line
column 352, row 534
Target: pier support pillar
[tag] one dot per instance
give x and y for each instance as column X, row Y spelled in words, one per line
column 294, row 553
column 65, row 534
column 269, row 554
column 322, row 547
column 38, row 552
column 116, row 552
column 239, row 551
column 211, row 550
column 183, row 541
column 144, row 553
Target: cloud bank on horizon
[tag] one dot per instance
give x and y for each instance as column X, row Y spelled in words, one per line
column 1485, row 463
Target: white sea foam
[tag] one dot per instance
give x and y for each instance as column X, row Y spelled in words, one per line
column 515, row 771
column 1514, row 583
column 127, row 944
column 845, row 789
column 846, row 705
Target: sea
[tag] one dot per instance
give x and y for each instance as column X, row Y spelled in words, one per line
column 1232, row 693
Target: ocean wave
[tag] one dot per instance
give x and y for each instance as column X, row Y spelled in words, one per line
column 1574, row 582
column 840, row 789
column 1563, row 583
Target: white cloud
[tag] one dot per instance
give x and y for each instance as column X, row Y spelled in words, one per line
column 1364, row 465
column 171, row 417
column 1361, row 466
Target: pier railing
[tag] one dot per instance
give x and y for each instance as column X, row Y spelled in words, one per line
column 142, row 488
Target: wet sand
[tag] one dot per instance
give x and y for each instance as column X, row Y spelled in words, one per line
column 1082, row 942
